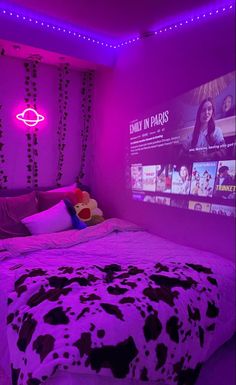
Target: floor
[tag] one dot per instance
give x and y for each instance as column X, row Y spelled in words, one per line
column 220, row 368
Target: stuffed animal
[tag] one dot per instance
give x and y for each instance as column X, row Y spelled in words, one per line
column 87, row 209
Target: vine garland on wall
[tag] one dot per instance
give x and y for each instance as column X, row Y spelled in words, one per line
column 87, row 93
column 31, row 72
column 3, row 176
column 63, row 85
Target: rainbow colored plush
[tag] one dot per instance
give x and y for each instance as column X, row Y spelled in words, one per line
column 87, row 209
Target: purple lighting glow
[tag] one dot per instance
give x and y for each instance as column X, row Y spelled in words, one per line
column 76, row 34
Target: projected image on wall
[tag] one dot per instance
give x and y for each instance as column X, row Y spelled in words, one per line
column 203, row 179
column 182, row 153
column 181, row 179
column 225, row 180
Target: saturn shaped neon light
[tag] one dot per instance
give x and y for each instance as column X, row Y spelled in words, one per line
column 30, row 117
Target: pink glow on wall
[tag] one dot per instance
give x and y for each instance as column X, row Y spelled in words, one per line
column 12, row 78
column 30, row 117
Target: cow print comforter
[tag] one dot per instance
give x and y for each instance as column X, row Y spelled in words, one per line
column 118, row 320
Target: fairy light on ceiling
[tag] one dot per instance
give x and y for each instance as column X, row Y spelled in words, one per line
column 75, row 34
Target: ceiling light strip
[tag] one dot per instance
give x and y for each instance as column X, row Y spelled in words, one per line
column 75, row 34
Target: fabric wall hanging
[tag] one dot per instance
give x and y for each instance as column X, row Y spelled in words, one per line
column 3, row 176
column 87, row 94
column 63, row 85
column 31, row 74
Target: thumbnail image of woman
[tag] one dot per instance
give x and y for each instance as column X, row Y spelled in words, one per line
column 181, row 181
column 195, row 187
column 202, row 185
column 136, row 177
column 205, row 132
column 228, row 106
column 163, row 178
column 197, row 207
column 225, row 183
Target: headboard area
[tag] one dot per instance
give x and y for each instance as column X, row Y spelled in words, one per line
column 22, row 191
column 18, row 204
column 18, row 192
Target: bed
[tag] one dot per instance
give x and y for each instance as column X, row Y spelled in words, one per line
column 110, row 304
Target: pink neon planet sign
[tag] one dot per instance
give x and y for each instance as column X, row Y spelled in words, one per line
column 30, row 117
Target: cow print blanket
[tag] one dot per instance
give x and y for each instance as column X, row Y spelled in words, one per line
column 121, row 321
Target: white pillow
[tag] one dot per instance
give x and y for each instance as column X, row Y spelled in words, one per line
column 52, row 220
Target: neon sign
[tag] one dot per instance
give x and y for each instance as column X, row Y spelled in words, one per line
column 30, row 117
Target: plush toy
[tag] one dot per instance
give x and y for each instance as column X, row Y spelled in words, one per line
column 87, row 209
column 76, row 222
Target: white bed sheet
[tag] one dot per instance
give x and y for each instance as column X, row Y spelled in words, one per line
column 117, row 247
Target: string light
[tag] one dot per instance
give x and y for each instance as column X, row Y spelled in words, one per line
column 168, row 28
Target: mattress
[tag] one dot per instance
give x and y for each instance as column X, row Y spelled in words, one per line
column 126, row 249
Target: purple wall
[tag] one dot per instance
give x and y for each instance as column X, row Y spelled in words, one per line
column 12, row 92
column 146, row 74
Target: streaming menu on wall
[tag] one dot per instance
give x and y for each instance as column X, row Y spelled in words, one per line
column 183, row 154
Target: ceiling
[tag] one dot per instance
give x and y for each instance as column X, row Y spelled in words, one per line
column 111, row 21
column 114, row 19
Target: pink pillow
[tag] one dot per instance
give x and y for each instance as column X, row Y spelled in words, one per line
column 48, row 199
column 12, row 210
column 52, row 220
column 71, row 187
